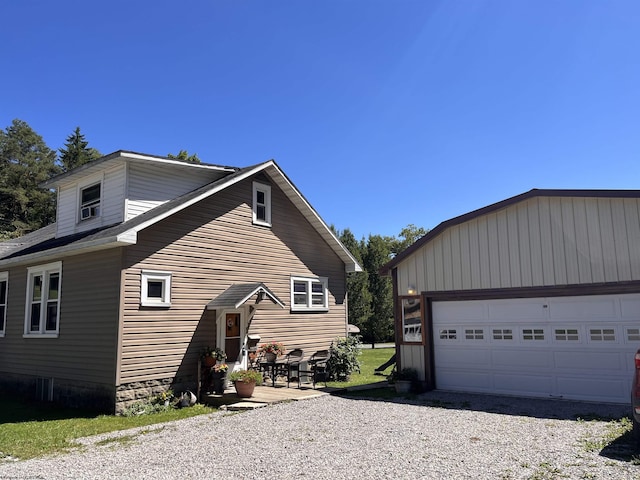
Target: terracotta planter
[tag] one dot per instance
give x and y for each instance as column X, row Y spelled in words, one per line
column 244, row 389
column 209, row 361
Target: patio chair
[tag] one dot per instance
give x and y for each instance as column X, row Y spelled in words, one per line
column 318, row 366
column 290, row 365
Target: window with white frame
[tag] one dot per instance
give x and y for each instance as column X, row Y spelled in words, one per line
column 4, row 291
column 602, row 334
column 448, row 334
column 90, row 201
column 261, row 204
column 155, row 289
column 42, row 315
column 567, row 334
column 309, row 294
column 473, row 334
column 532, row 334
column 502, row 334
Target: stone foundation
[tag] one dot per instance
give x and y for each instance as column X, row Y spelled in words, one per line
column 130, row 393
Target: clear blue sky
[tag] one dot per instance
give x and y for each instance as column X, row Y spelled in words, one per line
column 383, row 113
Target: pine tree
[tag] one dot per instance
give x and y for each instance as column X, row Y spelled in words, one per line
column 25, row 162
column 184, row 156
column 359, row 297
column 77, row 152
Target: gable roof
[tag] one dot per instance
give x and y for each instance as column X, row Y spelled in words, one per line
column 239, row 294
column 386, row 268
column 42, row 244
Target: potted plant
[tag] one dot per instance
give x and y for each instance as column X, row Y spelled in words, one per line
column 272, row 350
column 404, row 380
column 245, row 381
column 218, row 374
column 212, row 355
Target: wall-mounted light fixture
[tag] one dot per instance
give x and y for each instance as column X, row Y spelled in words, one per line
column 412, row 290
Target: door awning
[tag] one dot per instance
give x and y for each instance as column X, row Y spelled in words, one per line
column 256, row 295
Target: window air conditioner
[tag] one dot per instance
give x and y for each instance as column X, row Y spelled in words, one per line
column 85, row 213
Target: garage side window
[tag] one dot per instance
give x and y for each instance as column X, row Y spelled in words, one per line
column 412, row 320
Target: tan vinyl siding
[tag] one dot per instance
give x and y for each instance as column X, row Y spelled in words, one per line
column 207, row 248
column 541, row 241
column 86, row 345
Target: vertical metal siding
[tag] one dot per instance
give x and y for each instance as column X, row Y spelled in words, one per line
column 541, row 241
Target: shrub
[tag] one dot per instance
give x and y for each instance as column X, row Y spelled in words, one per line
column 344, row 360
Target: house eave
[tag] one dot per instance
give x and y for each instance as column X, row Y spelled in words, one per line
column 68, row 251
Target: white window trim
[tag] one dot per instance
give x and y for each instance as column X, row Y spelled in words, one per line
column 309, row 307
column 95, row 180
column 153, row 275
column 4, row 277
column 45, row 271
column 266, row 189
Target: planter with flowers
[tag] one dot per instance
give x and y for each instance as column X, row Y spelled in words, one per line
column 245, row 381
column 212, row 355
column 272, row 350
column 218, row 377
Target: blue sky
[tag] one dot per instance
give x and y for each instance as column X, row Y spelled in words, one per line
column 383, row 113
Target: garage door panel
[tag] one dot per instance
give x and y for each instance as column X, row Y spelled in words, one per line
column 589, row 361
column 582, row 308
column 473, row 310
column 464, row 380
column 585, row 352
column 522, row 359
column 594, row 388
column 453, row 357
column 509, row 311
column 521, row 383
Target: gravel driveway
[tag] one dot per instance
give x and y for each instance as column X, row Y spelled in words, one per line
column 439, row 435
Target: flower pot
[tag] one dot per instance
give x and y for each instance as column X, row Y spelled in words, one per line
column 403, row 386
column 217, row 382
column 270, row 357
column 245, row 389
column 209, row 361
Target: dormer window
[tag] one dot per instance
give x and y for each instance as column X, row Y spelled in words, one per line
column 90, row 201
column 261, row 204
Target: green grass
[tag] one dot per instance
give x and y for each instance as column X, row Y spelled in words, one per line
column 32, row 430
column 370, row 359
column 29, row 430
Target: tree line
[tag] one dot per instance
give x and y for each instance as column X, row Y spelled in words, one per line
column 26, row 161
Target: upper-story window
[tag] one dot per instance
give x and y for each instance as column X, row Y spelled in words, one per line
column 42, row 313
column 4, row 286
column 261, row 204
column 309, row 294
column 90, row 201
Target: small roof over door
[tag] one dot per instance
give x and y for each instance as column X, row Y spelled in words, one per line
column 256, row 295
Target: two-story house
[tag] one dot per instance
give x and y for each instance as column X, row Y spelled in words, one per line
column 152, row 259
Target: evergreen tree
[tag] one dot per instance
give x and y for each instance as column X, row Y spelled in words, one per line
column 184, row 156
column 359, row 297
column 77, row 152
column 379, row 325
column 25, row 162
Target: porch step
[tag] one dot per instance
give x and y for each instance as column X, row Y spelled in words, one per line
column 241, row 406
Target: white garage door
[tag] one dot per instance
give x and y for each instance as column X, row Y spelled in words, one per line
column 561, row 347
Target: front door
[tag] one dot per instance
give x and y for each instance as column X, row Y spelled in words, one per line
column 232, row 336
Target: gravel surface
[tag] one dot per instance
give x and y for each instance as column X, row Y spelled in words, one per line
column 437, row 435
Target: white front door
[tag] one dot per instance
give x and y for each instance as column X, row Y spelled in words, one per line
column 232, row 332
column 564, row 347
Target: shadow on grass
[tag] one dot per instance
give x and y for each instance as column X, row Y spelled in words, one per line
column 20, row 411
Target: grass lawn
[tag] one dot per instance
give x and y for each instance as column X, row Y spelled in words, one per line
column 29, row 430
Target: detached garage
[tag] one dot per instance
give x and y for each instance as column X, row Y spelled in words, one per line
column 537, row 295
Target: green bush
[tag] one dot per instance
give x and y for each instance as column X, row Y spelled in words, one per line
column 344, row 358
